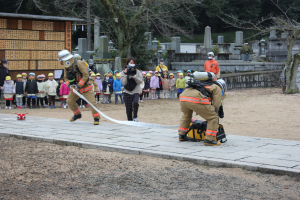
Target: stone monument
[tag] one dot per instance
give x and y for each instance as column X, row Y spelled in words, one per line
column 96, row 33
column 82, row 48
column 118, row 64
column 176, row 44
column 207, row 44
column 220, row 39
column 103, row 48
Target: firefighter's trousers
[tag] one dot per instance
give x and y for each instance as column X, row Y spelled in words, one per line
column 207, row 112
column 89, row 95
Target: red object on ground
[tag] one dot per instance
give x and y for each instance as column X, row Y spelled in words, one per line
column 21, row 116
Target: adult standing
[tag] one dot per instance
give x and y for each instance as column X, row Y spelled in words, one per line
column 161, row 68
column 131, row 78
column 4, row 72
column 212, row 66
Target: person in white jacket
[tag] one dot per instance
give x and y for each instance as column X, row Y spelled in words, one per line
column 51, row 86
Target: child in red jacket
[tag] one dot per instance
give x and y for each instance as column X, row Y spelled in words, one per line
column 63, row 93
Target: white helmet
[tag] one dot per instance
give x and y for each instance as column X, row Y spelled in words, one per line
column 64, row 55
column 222, row 83
column 210, row 54
column 77, row 56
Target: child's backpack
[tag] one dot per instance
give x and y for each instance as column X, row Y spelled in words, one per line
column 197, row 131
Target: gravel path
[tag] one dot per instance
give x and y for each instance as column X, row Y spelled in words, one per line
column 37, row 170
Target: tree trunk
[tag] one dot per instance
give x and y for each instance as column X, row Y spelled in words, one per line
column 292, row 86
column 289, row 71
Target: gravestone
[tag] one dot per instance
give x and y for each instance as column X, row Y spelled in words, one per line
column 207, row 44
column 272, row 34
column 103, row 68
column 168, row 46
column 176, row 44
column 103, row 48
column 82, row 48
column 220, row 39
column 118, row 64
column 239, row 38
column 96, row 33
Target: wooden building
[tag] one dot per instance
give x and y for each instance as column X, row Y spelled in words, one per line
column 31, row 42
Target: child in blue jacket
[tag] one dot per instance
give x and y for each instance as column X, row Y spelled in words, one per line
column 118, row 89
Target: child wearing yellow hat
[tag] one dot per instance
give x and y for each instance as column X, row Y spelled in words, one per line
column 180, row 84
column 8, row 91
column 51, row 86
column 98, row 92
column 146, row 89
column 172, row 86
column 117, row 87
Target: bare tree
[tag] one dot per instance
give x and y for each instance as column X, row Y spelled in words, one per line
column 119, row 18
column 283, row 23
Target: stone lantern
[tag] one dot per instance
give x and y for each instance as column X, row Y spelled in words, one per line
column 154, row 42
column 262, row 49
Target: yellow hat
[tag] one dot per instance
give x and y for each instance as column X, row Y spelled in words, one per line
column 50, row 74
column 105, row 74
column 171, row 74
column 159, row 74
column 148, row 74
column 180, row 74
column 19, row 76
column 8, row 78
column 93, row 74
column 118, row 75
column 98, row 74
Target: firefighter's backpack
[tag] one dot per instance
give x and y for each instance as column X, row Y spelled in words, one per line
column 198, row 128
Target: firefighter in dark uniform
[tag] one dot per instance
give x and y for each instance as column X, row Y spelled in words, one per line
column 77, row 77
column 193, row 100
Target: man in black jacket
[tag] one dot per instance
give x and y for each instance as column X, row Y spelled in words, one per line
column 4, row 72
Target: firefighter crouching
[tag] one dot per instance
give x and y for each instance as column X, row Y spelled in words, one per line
column 204, row 98
column 77, row 77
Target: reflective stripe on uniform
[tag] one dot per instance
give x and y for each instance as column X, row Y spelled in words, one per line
column 96, row 115
column 86, row 89
column 205, row 101
column 81, row 82
column 211, row 132
column 183, row 129
column 67, row 82
column 189, row 99
column 76, row 111
column 207, row 87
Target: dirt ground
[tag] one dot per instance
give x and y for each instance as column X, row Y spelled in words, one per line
column 37, row 170
column 253, row 112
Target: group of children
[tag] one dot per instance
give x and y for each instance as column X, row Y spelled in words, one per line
column 39, row 93
column 110, row 84
column 34, row 92
column 163, row 82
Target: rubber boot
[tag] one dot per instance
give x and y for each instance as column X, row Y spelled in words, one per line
column 75, row 117
column 182, row 138
column 96, row 121
column 212, row 143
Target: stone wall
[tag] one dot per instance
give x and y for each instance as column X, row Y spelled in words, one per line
column 229, row 67
column 252, row 79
